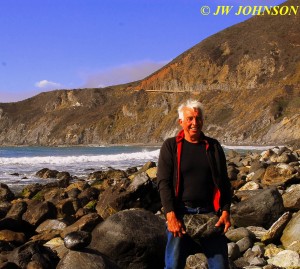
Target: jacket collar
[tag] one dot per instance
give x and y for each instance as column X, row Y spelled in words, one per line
column 180, row 137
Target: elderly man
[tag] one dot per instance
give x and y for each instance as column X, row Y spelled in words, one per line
column 192, row 178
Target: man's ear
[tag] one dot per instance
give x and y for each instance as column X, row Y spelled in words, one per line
column 180, row 121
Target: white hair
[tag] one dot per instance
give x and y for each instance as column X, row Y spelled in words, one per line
column 193, row 104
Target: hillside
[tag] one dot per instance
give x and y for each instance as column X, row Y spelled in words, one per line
column 247, row 76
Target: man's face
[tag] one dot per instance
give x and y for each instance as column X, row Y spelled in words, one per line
column 191, row 124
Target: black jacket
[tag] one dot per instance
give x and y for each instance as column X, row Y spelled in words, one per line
column 168, row 173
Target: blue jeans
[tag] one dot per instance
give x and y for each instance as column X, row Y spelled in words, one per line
column 179, row 248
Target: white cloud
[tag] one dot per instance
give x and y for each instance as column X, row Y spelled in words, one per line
column 45, row 84
column 121, row 74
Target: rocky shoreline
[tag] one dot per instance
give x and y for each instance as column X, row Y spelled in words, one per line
column 112, row 219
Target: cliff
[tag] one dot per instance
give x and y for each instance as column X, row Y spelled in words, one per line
column 247, row 76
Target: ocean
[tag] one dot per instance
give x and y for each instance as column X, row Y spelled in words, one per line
column 18, row 165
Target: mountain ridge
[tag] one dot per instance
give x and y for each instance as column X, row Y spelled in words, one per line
column 247, row 76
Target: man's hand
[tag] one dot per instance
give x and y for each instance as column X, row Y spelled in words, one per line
column 175, row 226
column 224, row 220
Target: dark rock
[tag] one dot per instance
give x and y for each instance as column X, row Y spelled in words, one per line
column 77, row 240
column 38, row 211
column 85, row 260
column 4, row 208
column 139, row 193
column 86, row 223
column 33, row 251
column 17, row 226
column 31, row 190
column 73, row 193
column 16, row 238
column 47, row 173
column 5, row 193
column 101, row 175
column 65, row 208
column 41, row 172
column 131, row 170
column 53, row 194
column 134, row 239
column 64, row 176
column 88, row 195
column 6, row 246
column 262, row 209
column 9, row 265
column 17, row 210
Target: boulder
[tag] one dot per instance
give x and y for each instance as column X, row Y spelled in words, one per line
column 17, row 210
column 291, row 198
column 262, row 209
column 234, row 235
column 38, row 211
column 280, row 174
column 134, row 239
column 5, row 193
column 289, row 238
column 30, row 190
column 33, row 252
column 85, row 260
column 275, row 231
column 5, row 206
column 286, row 259
column 77, row 240
column 85, row 223
column 138, row 193
column 51, row 224
column 199, row 226
column 198, row 261
column 15, row 238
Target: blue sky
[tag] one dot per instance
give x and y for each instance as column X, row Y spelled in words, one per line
column 68, row 44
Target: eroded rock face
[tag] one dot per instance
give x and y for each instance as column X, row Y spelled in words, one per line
column 130, row 247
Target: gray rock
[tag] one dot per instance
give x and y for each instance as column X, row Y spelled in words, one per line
column 134, row 239
column 233, row 251
column 257, row 231
column 260, row 210
column 244, row 244
column 197, row 261
column 237, row 234
column 202, row 225
column 286, row 259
